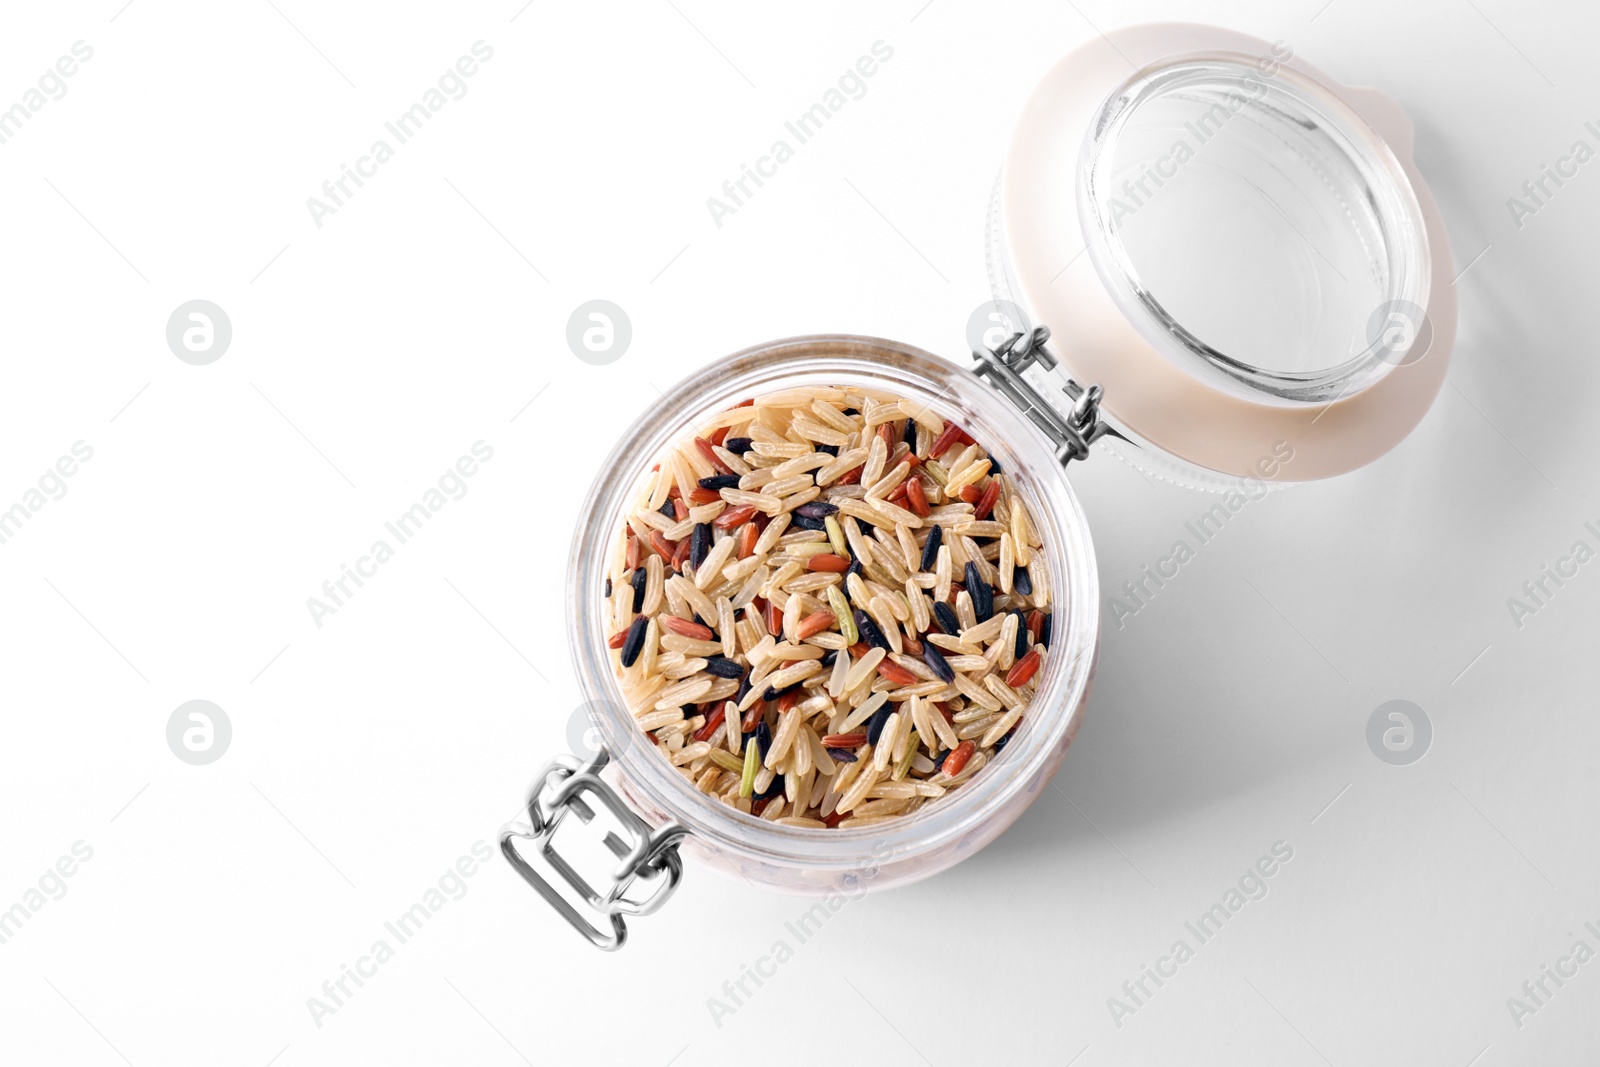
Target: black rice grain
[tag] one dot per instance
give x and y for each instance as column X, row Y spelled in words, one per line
column 723, row 667
column 930, row 551
column 700, row 546
column 869, row 631
column 937, row 663
column 982, row 595
column 635, row 642
column 1022, row 581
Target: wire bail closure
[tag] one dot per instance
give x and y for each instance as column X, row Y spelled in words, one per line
column 1003, row 367
column 647, row 857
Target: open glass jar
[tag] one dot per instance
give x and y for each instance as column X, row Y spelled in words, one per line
column 792, row 858
column 1326, row 385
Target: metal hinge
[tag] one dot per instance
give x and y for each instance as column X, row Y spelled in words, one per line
column 1003, row 367
column 650, row 856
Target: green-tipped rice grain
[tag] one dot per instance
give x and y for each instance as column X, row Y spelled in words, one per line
column 752, row 766
column 842, row 612
column 841, row 547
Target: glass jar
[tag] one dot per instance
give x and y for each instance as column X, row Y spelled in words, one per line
column 1197, row 391
column 804, row 860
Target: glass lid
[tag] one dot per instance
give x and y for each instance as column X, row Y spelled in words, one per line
column 1237, row 248
column 1253, row 224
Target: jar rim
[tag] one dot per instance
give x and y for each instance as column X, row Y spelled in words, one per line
column 980, row 807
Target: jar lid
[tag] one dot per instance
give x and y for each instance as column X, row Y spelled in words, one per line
column 1236, row 247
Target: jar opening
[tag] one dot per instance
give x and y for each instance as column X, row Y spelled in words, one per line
column 1254, row 228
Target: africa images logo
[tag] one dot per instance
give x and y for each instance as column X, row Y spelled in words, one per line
column 1252, row 886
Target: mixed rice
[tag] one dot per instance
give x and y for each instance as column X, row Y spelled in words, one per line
column 827, row 608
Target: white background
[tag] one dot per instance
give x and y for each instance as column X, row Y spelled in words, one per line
column 429, row 313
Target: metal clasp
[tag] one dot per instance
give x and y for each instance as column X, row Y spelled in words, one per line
column 1003, row 367
column 648, row 856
